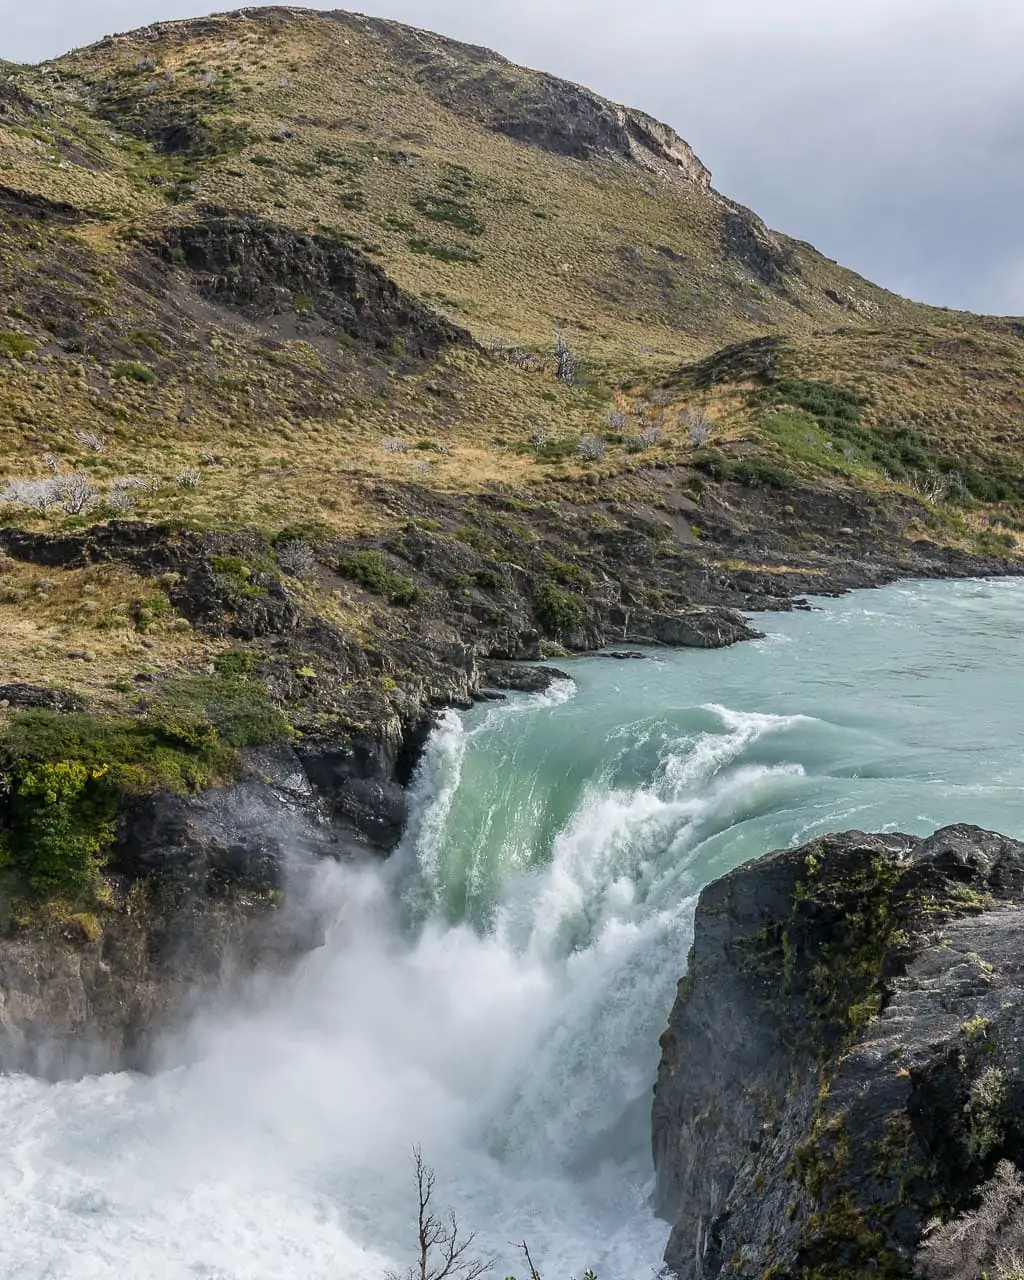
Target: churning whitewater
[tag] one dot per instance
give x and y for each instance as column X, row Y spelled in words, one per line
column 495, row 993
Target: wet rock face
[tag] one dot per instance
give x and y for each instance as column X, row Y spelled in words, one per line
column 263, row 270
column 842, row 1062
column 205, row 890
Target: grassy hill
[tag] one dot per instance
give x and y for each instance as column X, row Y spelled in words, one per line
column 290, row 279
column 510, row 203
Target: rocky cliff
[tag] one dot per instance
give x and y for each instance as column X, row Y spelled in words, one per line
column 842, row 1063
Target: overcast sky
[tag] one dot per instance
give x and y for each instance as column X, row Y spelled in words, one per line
column 889, row 133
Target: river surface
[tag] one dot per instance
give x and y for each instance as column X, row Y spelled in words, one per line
column 495, row 994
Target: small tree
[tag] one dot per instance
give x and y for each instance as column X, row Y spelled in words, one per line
column 591, row 448
column 700, row 426
column 444, row 1252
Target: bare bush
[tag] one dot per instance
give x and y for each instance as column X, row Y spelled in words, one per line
column 297, row 558
column 567, row 362
column 121, row 493
column 617, row 420
column 699, row 426
column 444, row 1252
column 392, row 444
column 39, row 495
column 52, row 462
column 509, row 353
column 988, row 1240
column 647, row 438
column 592, row 448
column 662, row 397
column 77, row 493
column 189, row 479
column 931, row 485
column 120, row 501
column 89, row 440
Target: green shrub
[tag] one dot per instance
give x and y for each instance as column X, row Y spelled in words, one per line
column 443, row 252
column 66, row 775
column 559, row 612
column 236, row 575
column 239, row 709
column 834, row 407
column 452, row 212
column 314, row 531
column 132, row 372
column 476, row 538
column 235, row 662
column 489, row 579
column 60, row 821
column 370, row 569
column 564, row 573
column 751, row 472
column 17, row 345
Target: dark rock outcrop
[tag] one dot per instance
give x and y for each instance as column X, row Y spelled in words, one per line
column 693, row 629
column 264, row 269
column 521, row 679
column 842, row 1063
column 36, row 696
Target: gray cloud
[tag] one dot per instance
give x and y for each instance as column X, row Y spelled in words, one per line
column 887, row 132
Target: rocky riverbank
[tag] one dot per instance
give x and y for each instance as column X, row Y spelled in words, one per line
column 185, row 791
column 842, row 1063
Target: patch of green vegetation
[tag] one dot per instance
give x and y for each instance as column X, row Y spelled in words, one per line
column 370, row 569
column 819, row 423
column 132, row 372
column 565, row 573
column 66, row 775
column 489, row 579
column 149, row 341
column 442, row 252
column 314, row 531
column 236, row 575
column 753, row 472
column 17, row 345
column 834, row 408
column 559, row 612
column 453, row 212
column 235, row 662
column 990, row 542
column 476, row 538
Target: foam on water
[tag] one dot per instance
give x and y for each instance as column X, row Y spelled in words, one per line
column 496, row 992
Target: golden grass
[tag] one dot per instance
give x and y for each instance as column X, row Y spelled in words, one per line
column 102, row 612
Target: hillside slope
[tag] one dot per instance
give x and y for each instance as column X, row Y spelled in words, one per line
column 340, row 362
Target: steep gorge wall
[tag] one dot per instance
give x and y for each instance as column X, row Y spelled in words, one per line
column 842, row 1063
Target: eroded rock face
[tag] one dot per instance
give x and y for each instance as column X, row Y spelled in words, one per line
column 264, row 269
column 532, row 107
column 842, row 1063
